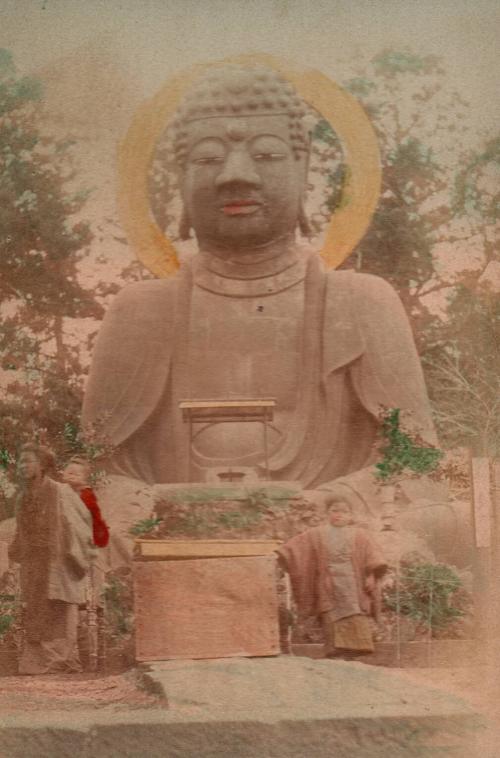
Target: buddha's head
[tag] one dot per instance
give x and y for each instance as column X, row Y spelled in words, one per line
column 242, row 150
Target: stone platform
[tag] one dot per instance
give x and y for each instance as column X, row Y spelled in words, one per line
column 282, row 707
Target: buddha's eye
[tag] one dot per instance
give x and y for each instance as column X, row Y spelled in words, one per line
column 268, row 156
column 207, row 160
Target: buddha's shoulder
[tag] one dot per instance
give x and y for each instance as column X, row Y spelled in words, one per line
column 147, row 290
column 357, row 281
column 360, row 287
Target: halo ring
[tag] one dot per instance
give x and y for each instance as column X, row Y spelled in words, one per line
column 360, row 193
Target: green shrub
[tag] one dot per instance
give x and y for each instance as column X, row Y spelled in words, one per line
column 145, row 526
column 401, row 453
column 424, row 592
column 118, row 605
column 7, row 614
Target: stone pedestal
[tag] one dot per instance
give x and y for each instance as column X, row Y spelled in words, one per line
column 188, row 605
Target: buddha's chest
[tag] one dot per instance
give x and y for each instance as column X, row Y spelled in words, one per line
column 246, row 347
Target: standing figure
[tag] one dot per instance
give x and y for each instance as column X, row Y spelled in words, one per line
column 52, row 545
column 77, row 475
column 334, row 572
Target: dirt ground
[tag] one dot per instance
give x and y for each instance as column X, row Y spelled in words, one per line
column 477, row 685
column 72, row 692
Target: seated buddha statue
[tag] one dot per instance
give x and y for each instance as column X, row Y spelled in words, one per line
column 254, row 314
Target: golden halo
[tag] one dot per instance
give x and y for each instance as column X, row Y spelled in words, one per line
column 360, row 194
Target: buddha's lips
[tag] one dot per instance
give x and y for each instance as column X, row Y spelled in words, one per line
column 240, row 207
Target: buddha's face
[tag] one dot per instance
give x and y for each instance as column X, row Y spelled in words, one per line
column 242, row 185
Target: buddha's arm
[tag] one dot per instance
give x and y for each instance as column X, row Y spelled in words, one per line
column 389, row 374
column 386, row 373
column 130, row 362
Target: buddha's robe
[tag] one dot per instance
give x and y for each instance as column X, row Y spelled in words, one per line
column 354, row 354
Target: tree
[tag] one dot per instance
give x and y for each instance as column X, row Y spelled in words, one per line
column 431, row 214
column 41, row 240
column 465, row 373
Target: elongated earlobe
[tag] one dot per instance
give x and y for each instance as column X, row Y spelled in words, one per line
column 304, row 225
column 185, row 225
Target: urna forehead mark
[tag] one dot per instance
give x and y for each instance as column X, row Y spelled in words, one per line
column 237, row 130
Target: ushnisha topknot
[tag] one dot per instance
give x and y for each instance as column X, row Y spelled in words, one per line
column 241, row 92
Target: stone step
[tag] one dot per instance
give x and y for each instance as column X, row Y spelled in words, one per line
column 283, row 707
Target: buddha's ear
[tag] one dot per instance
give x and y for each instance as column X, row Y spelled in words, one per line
column 184, row 224
column 308, row 123
column 305, row 227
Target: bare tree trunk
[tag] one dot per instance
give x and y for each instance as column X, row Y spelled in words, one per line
column 60, row 347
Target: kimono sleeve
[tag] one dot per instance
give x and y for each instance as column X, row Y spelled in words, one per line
column 373, row 560
column 78, row 531
column 301, row 562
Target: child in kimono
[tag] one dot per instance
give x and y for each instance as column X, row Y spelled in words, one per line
column 335, row 571
column 77, row 475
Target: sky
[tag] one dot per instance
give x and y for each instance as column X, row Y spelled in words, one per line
column 159, row 37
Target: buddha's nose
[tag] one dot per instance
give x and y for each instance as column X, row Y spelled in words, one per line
column 238, row 168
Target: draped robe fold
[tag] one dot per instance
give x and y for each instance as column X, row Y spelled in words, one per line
column 358, row 355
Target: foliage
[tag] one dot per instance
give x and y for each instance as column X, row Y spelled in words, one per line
column 145, row 526
column 6, row 459
column 41, row 241
column 424, row 592
column 118, row 604
column 90, row 443
column 37, row 236
column 464, row 373
column 259, row 516
column 468, row 197
column 392, row 62
column 401, row 453
column 7, row 614
column 404, row 96
column 203, row 518
column 255, row 496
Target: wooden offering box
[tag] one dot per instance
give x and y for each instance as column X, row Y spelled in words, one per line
column 205, row 599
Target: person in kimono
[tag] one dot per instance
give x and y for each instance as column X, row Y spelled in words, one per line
column 77, row 475
column 52, row 544
column 335, row 571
